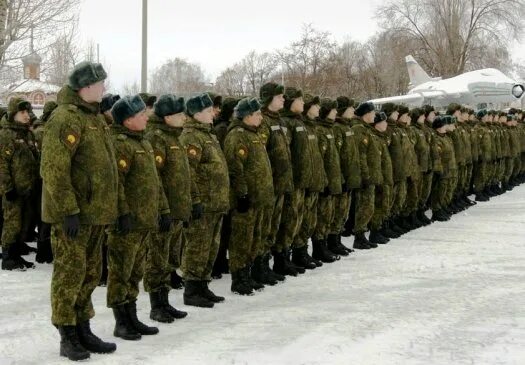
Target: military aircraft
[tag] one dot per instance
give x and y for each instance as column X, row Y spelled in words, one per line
column 487, row 87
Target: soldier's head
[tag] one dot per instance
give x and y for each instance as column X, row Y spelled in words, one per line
column 87, row 79
column 502, row 117
column 380, row 122
column 171, row 109
column 440, row 124
column 312, row 106
column 18, row 111
column 404, row 116
column 454, row 110
column 390, row 110
column 272, row 96
column 106, row 104
column 293, row 100
column 130, row 112
column 149, row 100
column 328, row 110
column 228, row 105
column 248, row 110
column 451, row 122
column 482, row 115
column 200, row 108
column 49, row 106
column 345, row 107
column 366, row 111
column 417, row 115
column 430, row 113
column 217, row 103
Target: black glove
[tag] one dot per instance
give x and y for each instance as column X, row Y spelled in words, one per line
column 325, row 192
column 71, row 226
column 124, row 224
column 11, row 195
column 365, row 183
column 243, row 204
column 344, row 187
column 197, row 210
column 185, row 224
column 165, row 222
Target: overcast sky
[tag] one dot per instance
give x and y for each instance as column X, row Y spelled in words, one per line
column 214, row 34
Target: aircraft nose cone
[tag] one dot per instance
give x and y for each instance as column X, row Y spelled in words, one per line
column 518, row 91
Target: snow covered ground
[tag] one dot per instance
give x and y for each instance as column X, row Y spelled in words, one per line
column 450, row 293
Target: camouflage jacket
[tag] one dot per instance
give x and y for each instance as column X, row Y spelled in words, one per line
column 210, row 183
column 173, row 167
column 331, row 160
column 299, row 148
column 399, row 150
column 319, row 180
column 78, row 166
column 386, row 162
column 221, row 130
column 459, row 146
column 249, row 166
column 140, row 190
column 275, row 136
column 486, row 148
column 18, row 158
column 464, row 131
column 447, row 155
column 348, row 147
column 422, row 147
column 369, row 153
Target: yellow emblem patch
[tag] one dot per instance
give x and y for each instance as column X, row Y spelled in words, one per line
column 159, row 159
column 122, row 164
column 192, row 151
column 7, row 152
column 243, row 152
column 365, row 141
column 71, row 139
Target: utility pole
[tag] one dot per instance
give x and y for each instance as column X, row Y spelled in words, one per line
column 144, row 72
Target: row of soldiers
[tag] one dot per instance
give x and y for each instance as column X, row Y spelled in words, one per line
column 207, row 186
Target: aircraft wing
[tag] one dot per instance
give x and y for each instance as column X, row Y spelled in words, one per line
column 416, row 98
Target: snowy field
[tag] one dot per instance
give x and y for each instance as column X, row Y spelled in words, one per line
column 450, row 293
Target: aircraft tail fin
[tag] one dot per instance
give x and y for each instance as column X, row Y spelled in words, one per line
column 417, row 75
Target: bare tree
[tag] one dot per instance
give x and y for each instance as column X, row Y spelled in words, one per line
column 131, row 89
column 449, row 33
column 178, row 76
column 62, row 56
column 258, row 68
column 232, row 81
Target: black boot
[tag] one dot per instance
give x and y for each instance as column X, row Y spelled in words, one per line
column 11, row 261
column 24, row 249
column 220, row 266
column 208, row 294
column 257, row 286
column 377, row 237
column 193, row 295
column 174, row 312
column 341, row 246
column 240, row 284
column 176, row 281
column 388, row 232
column 405, row 224
column 414, row 221
column 91, row 342
column 300, row 269
column 281, row 266
column 423, row 217
column 481, row 197
column 70, row 346
column 268, row 270
column 439, row 216
column 44, row 253
column 360, row 242
column 261, row 273
column 140, row 327
column 320, row 252
column 333, row 245
column 301, row 258
column 158, row 311
column 123, row 327
column 398, row 227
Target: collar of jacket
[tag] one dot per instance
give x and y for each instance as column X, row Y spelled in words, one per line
column 274, row 115
column 291, row 115
column 192, row 123
column 326, row 122
column 5, row 123
column 239, row 123
column 67, row 95
column 120, row 129
column 157, row 122
column 344, row 121
column 402, row 125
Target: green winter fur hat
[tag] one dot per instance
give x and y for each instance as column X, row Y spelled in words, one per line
column 440, row 122
column 127, row 107
column 452, row 108
column 49, row 106
column 327, row 105
column 246, row 107
column 216, row 98
column 309, row 101
column 402, row 110
column 108, row 101
column 290, row 94
column 86, row 73
column 148, row 99
column 17, row 105
column 268, row 91
column 415, row 114
column 481, row 113
column 427, row 109
column 228, row 105
column 198, row 104
column 169, row 104
column 389, row 108
column 380, row 117
column 364, row 108
column 344, row 103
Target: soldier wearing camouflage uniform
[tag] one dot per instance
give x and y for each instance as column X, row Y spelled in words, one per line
column 210, row 200
column 252, row 196
column 174, row 173
column 18, row 175
column 80, row 195
column 141, row 201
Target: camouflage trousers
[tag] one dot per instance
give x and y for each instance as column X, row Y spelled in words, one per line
column 382, row 204
column 202, row 244
column 306, row 231
column 342, row 204
column 451, row 188
column 162, row 252
column 438, row 196
column 462, row 175
column 468, row 178
column 291, row 220
column 76, row 273
column 399, row 197
column 178, row 240
column 480, row 176
column 364, row 208
column 509, row 168
column 246, row 240
column 126, row 259
column 272, row 224
column 424, row 187
column 16, row 217
column 412, row 200
column 325, row 216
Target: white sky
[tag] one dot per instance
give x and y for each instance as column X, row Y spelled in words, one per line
column 214, row 34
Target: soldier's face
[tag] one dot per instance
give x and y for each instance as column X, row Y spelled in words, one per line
column 22, row 117
column 216, row 111
column 349, row 113
column 175, row 120
column 381, row 127
column 332, row 114
column 253, row 119
column 313, row 112
column 431, row 117
column 96, row 92
column 369, row 117
column 205, row 116
column 137, row 122
column 277, row 103
column 297, row 106
column 394, row 116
